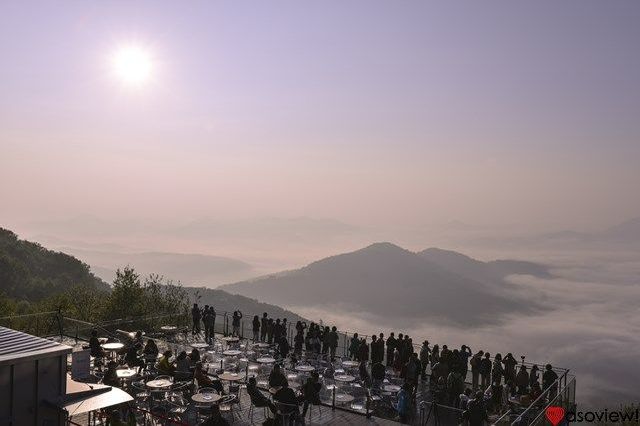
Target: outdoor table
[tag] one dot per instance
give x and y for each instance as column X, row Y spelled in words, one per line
column 160, row 384
column 112, row 348
column 344, row 398
column 200, row 345
column 262, row 345
column 266, row 360
column 231, row 352
column 206, row 398
column 391, row 388
column 345, row 378
column 350, row 364
column 231, row 339
column 125, row 373
column 168, row 328
column 231, row 377
column 305, row 368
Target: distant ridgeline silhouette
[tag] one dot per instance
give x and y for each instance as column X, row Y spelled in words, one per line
column 385, row 279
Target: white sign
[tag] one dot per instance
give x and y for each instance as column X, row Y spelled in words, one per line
column 80, row 364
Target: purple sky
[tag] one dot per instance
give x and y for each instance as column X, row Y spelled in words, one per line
column 369, row 112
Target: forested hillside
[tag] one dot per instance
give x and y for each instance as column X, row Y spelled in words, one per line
column 30, row 272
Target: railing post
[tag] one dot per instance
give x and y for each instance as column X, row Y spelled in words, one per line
column 333, row 401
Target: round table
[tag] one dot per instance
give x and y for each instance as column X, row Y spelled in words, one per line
column 125, row 373
column 231, row 352
column 159, row 384
column 345, row 378
column 391, row 388
column 231, row 377
column 262, row 345
column 305, row 368
column 112, row 347
column 350, row 364
column 344, row 397
column 266, row 360
column 168, row 328
column 231, row 339
column 200, row 345
column 206, row 398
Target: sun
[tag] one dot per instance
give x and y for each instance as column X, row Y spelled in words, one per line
column 132, row 65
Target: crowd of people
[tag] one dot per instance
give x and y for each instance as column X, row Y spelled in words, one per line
column 493, row 381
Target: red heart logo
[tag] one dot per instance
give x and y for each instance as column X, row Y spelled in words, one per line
column 554, row 414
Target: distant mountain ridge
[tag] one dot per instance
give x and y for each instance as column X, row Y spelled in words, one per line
column 387, row 278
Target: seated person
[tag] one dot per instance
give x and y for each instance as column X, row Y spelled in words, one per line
column 257, row 398
column 206, row 381
column 183, row 367
column 110, row 376
column 286, row 403
column 378, row 373
column 132, row 360
column 137, row 340
column 94, row 345
column 164, row 365
column 277, row 378
column 194, row 356
column 215, row 419
column 311, row 392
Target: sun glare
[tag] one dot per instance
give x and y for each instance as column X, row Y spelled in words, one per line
column 132, row 65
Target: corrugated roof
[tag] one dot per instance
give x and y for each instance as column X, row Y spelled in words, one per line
column 16, row 345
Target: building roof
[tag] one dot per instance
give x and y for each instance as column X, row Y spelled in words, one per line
column 17, row 346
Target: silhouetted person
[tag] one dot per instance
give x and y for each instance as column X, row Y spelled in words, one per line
column 332, row 342
column 425, row 352
column 204, row 380
column 270, row 327
column 287, row 404
column 477, row 411
column 354, row 347
column 311, row 392
column 549, row 381
column 210, row 325
column 534, row 377
column 497, row 371
column 378, row 373
column 256, row 328
column 277, row 378
column 509, row 367
column 94, row 345
column 404, row 406
column 464, row 354
column 475, row 362
column 196, row 316
column 263, row 327
column 485, row 370
column 257, row 398
column 522, row 380
column 391, row 345
column 237, row 316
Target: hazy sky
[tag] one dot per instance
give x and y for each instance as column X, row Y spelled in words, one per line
column 370, row 112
